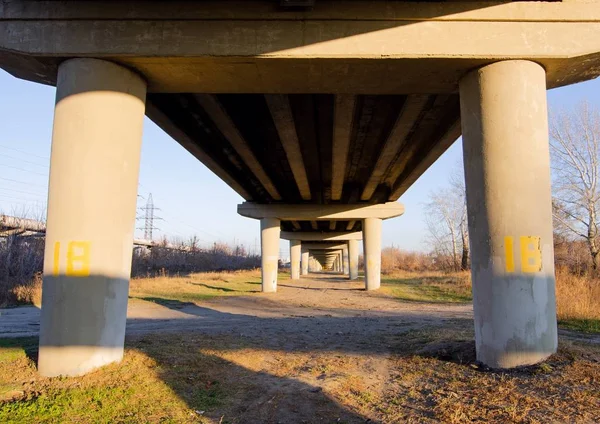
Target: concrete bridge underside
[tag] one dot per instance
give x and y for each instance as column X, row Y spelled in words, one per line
column 320, row 118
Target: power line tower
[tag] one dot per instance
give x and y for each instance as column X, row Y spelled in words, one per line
column 149, row 218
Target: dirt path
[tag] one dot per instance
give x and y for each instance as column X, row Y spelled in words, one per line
column 323, row 350
column 304, row 305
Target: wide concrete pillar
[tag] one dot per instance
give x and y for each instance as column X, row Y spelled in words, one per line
column 270, row 229
column 507, row 173
column 372, row 250
column 346, row 267
column 304, row 262
column 353, row 258
column 94, row 169
column 295, row 253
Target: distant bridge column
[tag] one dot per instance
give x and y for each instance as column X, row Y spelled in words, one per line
column 304, row 262
column 346, row 267
column 507, row 173
column 95, row 160
column 353, row 258
column 372, row 248
column 295, row 253
column 269, row 244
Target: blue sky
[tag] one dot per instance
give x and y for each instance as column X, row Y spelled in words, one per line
column 179, row 183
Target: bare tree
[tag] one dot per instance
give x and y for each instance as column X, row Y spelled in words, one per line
column 575, row 150
column 443, row 215
column 457, row 186
column 446, row 219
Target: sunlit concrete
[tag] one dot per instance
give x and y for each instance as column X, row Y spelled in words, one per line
column 304, row 212
column 269, row 243
column 94, row 169
column 307, row 236
column 372, row 251
column 345, row 261
column 304, row 262
column 295, row 253
column 507, row 173
column 353, row 259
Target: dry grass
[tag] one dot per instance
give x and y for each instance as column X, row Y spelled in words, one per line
column 577, row 297
column 17, row 291
column 196, row 287
column 430, row 286
column 419, row 376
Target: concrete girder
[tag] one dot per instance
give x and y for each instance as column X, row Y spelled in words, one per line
column 306, row 236
column 219, row 116
column 342, row 132
column 320, row 212
column 279, row 107
column 319, row 44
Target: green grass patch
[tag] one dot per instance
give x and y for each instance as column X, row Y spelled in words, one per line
column 428, row 289
column 591, row 326
column 16, row 348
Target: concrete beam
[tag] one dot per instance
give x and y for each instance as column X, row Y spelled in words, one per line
column 323, row 246
column 307, row 51
column 312, row 236
column 160, row 119
column 342, row 130
column 279, row 106
column 219, row 116
column 401, row 183
column 304, row 212
column 409, row 114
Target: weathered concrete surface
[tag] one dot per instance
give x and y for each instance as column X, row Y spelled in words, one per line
column 269, row 244
column 507, row 172
column 321, row 236
column 94, row 168
column 295, row 253
column 441, row 41
column 353, row 259
column 372, row 251
column 345, row 260
column 304, row 262
column 320, row 212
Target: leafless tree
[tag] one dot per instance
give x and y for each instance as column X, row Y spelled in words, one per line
column 446, row 219
column 575, row 150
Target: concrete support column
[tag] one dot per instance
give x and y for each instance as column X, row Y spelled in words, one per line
column 94, row 169
column 304, row 263
column 507, row 173
column 270, row 229
column 372, row 248
column 346, row 267
column 295, row 252
column 353, row 258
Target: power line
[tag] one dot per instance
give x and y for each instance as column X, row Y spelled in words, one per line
column 22, row 182
column 24, row 192
column 25, row 161
column 26, row 170
column 23, row 151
